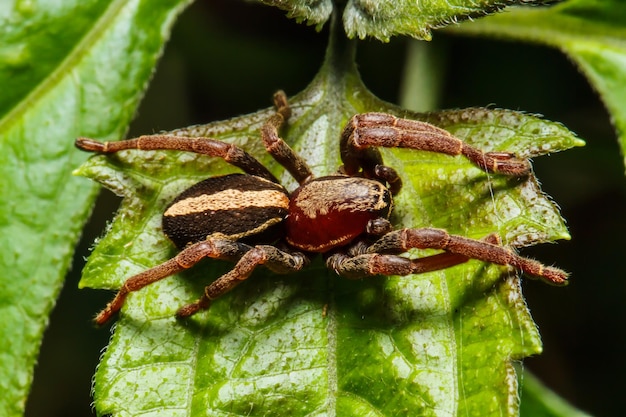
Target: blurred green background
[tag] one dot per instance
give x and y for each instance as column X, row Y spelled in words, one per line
column 227, row 57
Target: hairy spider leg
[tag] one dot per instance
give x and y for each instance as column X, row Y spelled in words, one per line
column 362, row 260
column 370, row 264
column 402, row 240
column 232, row 154
column 272, row 258
column 380, row 129
column 246, row 256
column 368, row 159
column 277, row 147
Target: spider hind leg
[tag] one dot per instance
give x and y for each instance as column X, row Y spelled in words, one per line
column 247, row 259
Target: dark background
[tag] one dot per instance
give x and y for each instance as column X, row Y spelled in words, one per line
column 227, row 57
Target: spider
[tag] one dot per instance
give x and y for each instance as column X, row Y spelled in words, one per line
column 251, row 219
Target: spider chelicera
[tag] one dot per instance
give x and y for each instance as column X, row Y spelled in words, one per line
column 252, row 220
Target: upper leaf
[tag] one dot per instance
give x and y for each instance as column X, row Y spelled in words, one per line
column 314, row 12
column 383, row 19
column 65, row 71
column 386, row 18
column 592, row 33
column 311, row 343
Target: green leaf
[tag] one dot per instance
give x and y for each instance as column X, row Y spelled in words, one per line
column 66, row 70
column 314, row 12
column 386, row 18
column 383, row 19
column 591, row 32
column 312, row 343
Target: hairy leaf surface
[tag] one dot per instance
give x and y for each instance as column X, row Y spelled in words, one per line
column 383, row 19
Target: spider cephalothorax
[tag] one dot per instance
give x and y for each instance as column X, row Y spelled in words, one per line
column 253, row 220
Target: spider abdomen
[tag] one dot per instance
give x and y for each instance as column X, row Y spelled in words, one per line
column 330, row 212
column 235, row 206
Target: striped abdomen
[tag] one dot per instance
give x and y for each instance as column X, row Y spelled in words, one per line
column 236, row 206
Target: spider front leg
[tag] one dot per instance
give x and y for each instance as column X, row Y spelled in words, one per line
column 378, row 261
column 483, row 250
column 381, row 259
column 370, row 264
column 368, row 130
column 247, row 258
column 277, row 147
column 205, row 146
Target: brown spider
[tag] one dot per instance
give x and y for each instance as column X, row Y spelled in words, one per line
column 238, row 217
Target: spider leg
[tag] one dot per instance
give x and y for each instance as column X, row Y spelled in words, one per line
column 381, row 259
column 205, row 146
column 485, row 250
column 370, row 264
column 269, row 256
column 232, row 154
column 277, row 147
column 379, row 129
column 191, row 255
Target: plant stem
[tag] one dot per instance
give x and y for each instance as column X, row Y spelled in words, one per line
column 422, row 79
